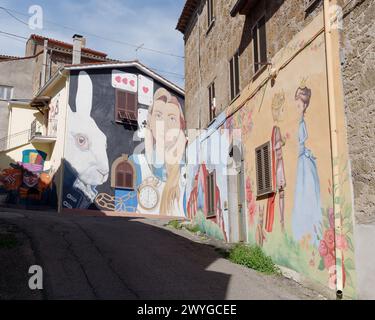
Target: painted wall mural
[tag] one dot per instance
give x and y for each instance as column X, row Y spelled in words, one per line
column 25, row 183
column 126, row 148
column 295, row 224
column 86, row 160
column 307, row 214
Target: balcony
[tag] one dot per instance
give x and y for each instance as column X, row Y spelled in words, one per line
column 40, row 133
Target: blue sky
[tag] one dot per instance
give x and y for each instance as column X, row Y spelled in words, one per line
column 148, row 22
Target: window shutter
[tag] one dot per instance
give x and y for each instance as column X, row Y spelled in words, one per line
column 120, row 179
column 211, row 194
column 124, row 175
column 263, row 40
column 210, row 12
column 256, row 51
column 259, row 36
column 264, row 169
column 232, row 95
column 126, row 105
column 129, row 180
column 267, row 168
column 237, row 74
column 259, row 163
column 234, row 76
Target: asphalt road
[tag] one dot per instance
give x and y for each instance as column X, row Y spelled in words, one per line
column 125, row 258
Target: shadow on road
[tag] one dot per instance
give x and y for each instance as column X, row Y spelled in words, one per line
column 118, row 258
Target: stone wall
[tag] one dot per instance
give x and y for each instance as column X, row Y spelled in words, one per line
column 358, row 54
column 358, row 67
column 208, row 50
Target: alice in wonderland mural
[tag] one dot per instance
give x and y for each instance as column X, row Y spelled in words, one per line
column 126, row 145
column 27, row 184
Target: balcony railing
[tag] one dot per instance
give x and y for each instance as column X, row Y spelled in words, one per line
column 38, row 130
column 36, row 133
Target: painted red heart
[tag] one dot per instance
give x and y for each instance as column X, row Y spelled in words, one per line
column 145, row 89
column 125, row 80
column 118, row 79
column 132, row 83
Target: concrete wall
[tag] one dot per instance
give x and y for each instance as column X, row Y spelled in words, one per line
column 17, row 74
column 208, row 52
column 358, row 61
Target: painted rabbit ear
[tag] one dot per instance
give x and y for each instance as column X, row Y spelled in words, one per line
column 84, row 94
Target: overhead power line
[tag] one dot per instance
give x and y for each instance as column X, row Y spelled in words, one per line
column 14, row 35
column 135, row 46
column 17, row 37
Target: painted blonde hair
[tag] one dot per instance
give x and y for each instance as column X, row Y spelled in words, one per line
column 171, row 192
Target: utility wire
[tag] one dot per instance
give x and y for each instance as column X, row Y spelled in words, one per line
column 96, row 35
column 13, row 16
column 13, row 35
column 175, row 75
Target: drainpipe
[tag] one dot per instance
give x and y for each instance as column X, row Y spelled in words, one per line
column 335, row 99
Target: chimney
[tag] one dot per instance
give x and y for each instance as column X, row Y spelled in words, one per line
column 78, row 43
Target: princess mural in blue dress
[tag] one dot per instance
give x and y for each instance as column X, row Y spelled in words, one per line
column 307, row 212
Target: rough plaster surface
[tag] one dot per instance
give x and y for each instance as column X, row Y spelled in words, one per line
column 358, row 53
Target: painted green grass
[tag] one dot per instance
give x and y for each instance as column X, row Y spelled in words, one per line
column 8, row 241
column 253, row 257
column 209, row 228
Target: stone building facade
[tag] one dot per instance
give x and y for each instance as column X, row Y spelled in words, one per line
column 300, row 56
column 208, row 49
column 358, row 61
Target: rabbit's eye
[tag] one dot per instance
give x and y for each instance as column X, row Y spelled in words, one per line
column 82, row 141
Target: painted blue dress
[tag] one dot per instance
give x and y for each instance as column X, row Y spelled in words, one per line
column 307, row 212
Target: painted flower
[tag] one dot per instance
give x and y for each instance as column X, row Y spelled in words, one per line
column 329, row 261
column 329, row 238
column 341, row 242
column 323, row 249
column 332, row 277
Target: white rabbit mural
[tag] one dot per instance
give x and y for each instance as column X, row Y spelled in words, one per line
column 86, row 147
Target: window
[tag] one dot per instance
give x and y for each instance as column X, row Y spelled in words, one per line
column 211, row 194
column 259, row 44
column 210, row 12
column 234, row 72
column 263, row 169
column 126, row 106
column 6, row 92
column 309, row 4
column 124, row 175
column 211, row 101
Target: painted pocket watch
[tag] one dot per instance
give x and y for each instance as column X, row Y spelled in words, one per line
column 148, row 194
